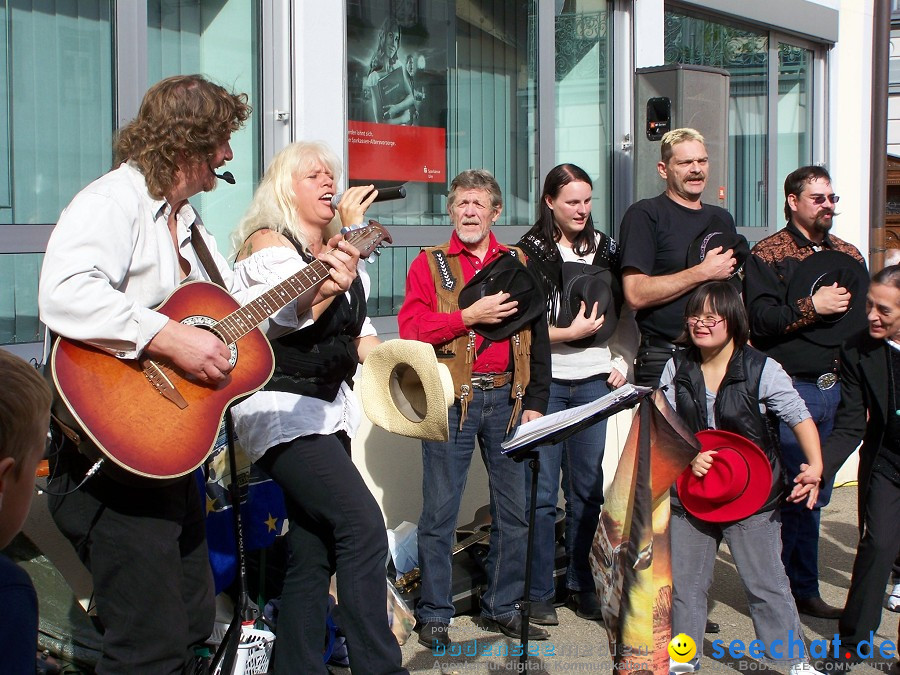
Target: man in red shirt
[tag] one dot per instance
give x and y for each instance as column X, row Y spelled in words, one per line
column 492, row 385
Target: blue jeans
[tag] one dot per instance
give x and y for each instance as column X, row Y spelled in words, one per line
column 754, row 543
column 445, row 467
column 580, row 457
column 799, row 525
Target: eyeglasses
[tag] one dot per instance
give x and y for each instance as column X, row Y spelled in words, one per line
column 820, row 199
column 695, row 321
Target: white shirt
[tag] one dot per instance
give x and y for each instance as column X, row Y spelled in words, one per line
column 111, row 258
column 576, row 363
column 269, row 418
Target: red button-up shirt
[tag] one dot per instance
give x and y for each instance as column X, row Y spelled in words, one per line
column 419, row 319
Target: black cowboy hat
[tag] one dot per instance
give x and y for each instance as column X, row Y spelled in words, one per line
column 824, row 269
column 589, row 284
column 509, row 275
column 719, row 233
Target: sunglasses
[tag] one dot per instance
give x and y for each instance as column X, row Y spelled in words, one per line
column 820, row 199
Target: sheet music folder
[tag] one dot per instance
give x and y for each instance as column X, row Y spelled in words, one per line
column 558, row 426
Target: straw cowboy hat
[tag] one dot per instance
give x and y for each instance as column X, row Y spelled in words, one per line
column 406, row 391
column 736, row 485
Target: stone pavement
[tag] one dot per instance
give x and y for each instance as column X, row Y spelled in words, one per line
column 580, row 646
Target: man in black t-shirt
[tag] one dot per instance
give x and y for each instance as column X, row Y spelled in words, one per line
column 656, row 235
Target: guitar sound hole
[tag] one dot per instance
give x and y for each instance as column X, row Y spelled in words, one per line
column 210, row 324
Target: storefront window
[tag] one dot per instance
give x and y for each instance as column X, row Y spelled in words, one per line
column 435, row 88
column 584, row 100
column 744, row 54
column 795, row 109
column 218, row 39
column 56, row 89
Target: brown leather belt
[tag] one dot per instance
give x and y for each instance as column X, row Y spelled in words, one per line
column 491, row 380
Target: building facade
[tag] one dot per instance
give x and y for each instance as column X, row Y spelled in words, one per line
column 515, row 86
column 412, row 91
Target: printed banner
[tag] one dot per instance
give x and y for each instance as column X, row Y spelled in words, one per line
column 630, row 556
column 381, row 152
column 397, row 91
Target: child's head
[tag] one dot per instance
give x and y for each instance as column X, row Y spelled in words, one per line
column 718, row 299
column 24, row 422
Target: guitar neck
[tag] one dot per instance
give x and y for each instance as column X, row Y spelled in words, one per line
column 367, row 239
column 244, row 319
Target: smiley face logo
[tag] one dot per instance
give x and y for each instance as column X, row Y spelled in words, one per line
column 682, row 648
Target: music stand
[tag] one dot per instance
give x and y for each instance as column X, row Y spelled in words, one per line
column 550, row 430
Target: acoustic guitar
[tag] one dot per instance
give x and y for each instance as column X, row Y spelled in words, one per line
column 151, row 419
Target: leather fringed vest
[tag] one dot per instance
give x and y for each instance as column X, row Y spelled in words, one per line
column 459, row 354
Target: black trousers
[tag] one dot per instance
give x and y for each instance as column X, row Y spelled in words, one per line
column 874, row 559
column 335, row 525
column 145, row 548
column 650, row 363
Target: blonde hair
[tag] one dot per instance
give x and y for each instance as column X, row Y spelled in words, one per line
column 273, row 205
column 674, row 137
column 24, row 398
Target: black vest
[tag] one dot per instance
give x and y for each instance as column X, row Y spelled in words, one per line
column 315, row 360
column 736, row 407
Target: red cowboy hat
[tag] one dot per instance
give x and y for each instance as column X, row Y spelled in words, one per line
column 736, row 485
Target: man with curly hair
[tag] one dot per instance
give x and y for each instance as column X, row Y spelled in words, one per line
column 120, row 247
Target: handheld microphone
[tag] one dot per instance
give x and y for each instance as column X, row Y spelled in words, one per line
column 384, row 195
column 226, row 176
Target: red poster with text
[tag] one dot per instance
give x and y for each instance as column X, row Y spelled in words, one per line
column 395, row 152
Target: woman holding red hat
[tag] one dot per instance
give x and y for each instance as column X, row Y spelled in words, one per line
column 730, row 492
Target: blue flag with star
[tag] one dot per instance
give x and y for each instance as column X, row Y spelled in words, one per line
column 262, row 510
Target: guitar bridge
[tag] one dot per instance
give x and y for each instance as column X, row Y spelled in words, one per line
column 161, row 382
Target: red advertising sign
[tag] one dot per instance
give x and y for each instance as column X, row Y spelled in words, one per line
column 397, row 92
column 392, row 152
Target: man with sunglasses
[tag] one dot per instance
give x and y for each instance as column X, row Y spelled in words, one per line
column 776, row 329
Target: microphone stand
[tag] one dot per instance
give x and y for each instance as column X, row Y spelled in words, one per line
column 226, row 653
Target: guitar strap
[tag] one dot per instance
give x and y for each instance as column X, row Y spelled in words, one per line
column 206, row 258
